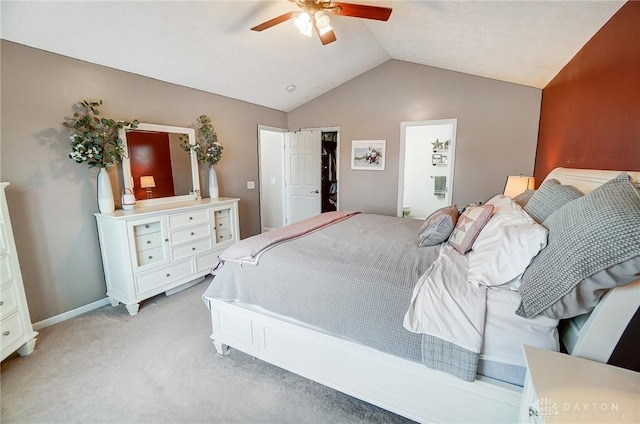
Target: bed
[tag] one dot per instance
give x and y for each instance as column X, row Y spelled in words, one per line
column 360, row 345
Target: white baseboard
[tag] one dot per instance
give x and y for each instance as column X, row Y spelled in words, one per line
column 70, row 314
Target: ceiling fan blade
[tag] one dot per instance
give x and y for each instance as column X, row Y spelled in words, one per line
column 273, row 22
column 361, row 11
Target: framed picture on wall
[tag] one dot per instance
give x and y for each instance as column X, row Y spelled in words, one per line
column 368, row 155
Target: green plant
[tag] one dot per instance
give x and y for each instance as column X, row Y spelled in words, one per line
column 95, row 140
column 207, row 148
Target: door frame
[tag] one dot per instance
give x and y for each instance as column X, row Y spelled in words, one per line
column 261, row 182
column 452, row 156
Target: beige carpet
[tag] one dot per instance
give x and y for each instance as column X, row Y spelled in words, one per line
column 160, row 367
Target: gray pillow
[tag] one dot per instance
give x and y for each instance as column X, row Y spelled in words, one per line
column 586, row 236
column 549, row 197
column 586, row 295
column 438, row 226
column 523, row 198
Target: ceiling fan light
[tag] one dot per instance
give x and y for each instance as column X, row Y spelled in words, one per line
column 303, row 23
column 322, row 19
column 324, row 30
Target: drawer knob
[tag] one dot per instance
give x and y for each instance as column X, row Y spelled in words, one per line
column 150, row 257
column 168, row 275
column 148, row 241
column 146, row 226
column 190, row 218
column 166, row 240
column 193, row 248
column 6, row 333
column 1, row 303
column 193, row 234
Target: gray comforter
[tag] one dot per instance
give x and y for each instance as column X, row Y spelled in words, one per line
column 353, row 279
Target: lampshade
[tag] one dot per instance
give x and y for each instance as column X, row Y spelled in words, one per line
column 322, row 20
column 517, row 184
column 147, row 181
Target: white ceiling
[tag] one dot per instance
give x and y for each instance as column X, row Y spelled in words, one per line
column 207, row 45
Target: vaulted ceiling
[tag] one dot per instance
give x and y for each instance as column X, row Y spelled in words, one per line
column 207, row 45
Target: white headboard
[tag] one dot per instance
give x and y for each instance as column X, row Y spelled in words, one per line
column 595, row 335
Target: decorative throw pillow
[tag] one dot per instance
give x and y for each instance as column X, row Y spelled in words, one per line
column 586, row 236
column 588, row 292
column 506, row 245
column 523, row 198
column 438, row 226
column 549, row 197
column 468, row 227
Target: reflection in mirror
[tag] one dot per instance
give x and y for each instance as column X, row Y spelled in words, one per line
column 157, row 169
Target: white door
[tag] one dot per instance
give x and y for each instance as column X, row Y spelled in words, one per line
column 302, row 174
column 427, row 156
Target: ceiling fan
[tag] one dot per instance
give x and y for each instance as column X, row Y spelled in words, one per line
column 313, row 17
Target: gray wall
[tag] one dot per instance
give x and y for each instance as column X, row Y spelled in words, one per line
column 51, row 198
column 496, row 135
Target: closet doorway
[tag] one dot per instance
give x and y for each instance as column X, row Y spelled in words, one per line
column 298, row 173
column 427, row 157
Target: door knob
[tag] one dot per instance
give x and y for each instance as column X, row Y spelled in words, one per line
column 316, row 191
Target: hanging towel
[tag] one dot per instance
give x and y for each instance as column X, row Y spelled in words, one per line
column 440, row 186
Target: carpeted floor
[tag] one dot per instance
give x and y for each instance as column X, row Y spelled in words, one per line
column 160, row 367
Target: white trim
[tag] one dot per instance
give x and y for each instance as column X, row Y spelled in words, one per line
column 70, row 314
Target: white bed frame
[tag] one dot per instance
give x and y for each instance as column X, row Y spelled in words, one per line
column 407, row 388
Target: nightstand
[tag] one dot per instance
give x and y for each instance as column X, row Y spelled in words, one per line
column 566, row 389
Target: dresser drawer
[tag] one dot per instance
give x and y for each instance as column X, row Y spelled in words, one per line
column 6, row 270
column 191, row 249
column 147, row 257
column 11, row 329
column 222, row 214
column 223, row 235
column 222, row 219
column 206, row 262
column 190, row 234
column 151, row 227
column 162, row 277
column 148, row 241
column 191, row 218
column 8, row 300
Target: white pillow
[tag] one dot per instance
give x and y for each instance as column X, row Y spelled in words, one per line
column 506, row 245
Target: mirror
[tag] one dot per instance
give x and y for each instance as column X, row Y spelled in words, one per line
column 156, row 169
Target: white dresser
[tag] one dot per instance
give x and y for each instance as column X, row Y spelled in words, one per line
column 162, row 248
column 15, row 328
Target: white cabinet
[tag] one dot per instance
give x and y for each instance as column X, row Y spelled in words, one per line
column 157, row 249
column 563, row 388
column 16, row 331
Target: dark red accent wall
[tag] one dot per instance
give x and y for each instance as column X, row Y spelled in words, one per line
column 150, row 155
column 590, row 115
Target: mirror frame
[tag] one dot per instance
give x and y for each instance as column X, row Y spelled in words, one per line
column 126, row 165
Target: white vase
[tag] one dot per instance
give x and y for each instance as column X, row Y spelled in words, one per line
column 106, row 203
column 213, row 183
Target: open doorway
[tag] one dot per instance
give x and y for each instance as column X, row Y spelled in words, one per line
column 298, row 174
column 427, row 156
